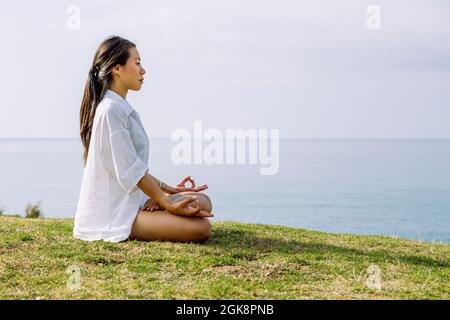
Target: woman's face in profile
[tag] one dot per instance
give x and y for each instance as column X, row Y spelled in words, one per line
column 132, row 74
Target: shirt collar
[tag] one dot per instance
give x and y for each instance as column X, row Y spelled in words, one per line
column 121, row 101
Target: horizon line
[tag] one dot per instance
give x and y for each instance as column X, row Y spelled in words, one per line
column 281, row 138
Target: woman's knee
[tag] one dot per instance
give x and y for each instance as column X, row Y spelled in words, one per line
column 202, row 229
column 208, row 201
column 205, row 204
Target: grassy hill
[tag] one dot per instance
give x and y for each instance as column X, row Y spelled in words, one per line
column 39, row 259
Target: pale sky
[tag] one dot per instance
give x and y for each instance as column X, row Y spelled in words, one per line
column 312, row 69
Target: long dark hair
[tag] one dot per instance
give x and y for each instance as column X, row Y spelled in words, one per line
column 111, row 52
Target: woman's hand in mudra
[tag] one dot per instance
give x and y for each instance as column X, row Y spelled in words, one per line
column 152, row 205
column 181, row 187
column 182, row 208
column 178, row 208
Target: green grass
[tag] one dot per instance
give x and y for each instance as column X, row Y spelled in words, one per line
column 240, row 261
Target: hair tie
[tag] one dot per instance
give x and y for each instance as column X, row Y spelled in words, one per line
column 93, row 73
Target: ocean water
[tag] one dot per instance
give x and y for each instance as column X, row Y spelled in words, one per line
column 385, row 187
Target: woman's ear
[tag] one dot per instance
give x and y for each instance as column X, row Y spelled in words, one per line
column 117, row 70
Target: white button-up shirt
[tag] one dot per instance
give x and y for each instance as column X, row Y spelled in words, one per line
column 117, row 159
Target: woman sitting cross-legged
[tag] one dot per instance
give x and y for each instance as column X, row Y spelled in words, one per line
column 119, row 199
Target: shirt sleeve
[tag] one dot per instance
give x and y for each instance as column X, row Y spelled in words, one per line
column 127, row 166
